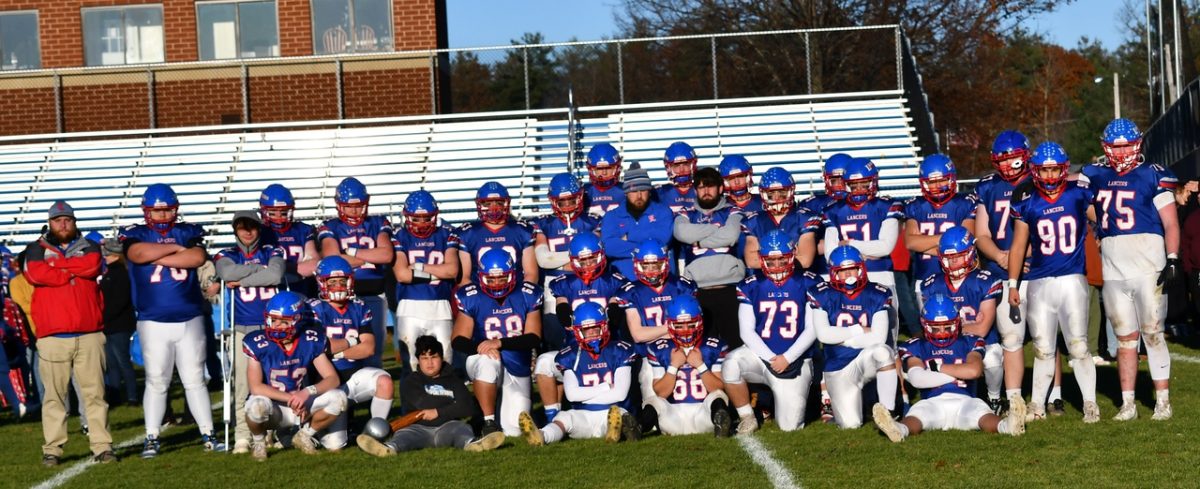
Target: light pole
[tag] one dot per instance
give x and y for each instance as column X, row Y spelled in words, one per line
column 1116, row 78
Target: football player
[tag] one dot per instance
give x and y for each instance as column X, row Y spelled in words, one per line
column 1139, row 246
column 868, row 222
column 645, row 301
column 551, row 233
column 596, row 377
column 346, row 322
column 939, row 208
column 975, row 293
column 680, row 162
column 739, row 177
column 780, row 212
column 1059, row 211
column 944, row 365
column 851, row 317
column 835, row 188
column 686, row 369
column 426, row 267
column 603, row 189
column 297, row 239
column 496, row 228
column 163, row 256
column 281, row 356
column 363, row 241
column 774, row 326
column 499, row 325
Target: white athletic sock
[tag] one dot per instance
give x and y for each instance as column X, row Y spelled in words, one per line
column 1011, row 393
column 1163, row 395
column 258, row 438
column 1055, row 393
column 308, row 430
column 745, row 411
column 1003, row 427
column 489, row 417
column 903, row 429
column 380, row 408
column 1085, row 375
column 1043, row 375
column 1127, row 397
column 885, row 384
column 551, row 407
column 552, row 433
column 994, row 377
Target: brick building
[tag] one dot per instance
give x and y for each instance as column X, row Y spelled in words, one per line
column 91, row 65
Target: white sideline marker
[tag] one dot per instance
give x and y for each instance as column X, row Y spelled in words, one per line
column 1184, row 358
column 83, row 465
column 780, row 477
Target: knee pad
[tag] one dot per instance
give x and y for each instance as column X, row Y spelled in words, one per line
column 485, row 370
column 882, row 356
column 993, row 357
column 1011, row 341
column 258, row 409
column 337, row 402
column 1130, row 343
column 1078, row 349
column 545, row 364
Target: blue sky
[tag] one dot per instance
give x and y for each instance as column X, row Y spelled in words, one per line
column 493, row 22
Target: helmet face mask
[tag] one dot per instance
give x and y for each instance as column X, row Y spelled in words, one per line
column 941, row 333
column 1011, row 166
column 604, row 165
column 1050, row 179
column 778, row 200
column 862, row 191
column 652, row 272
column 497, row 275
column 352, row 213
column 280, row 329
column 567, row 207
column 276, row 207
column 848, row 278
column 421, row 224
column 686, row 333
column 278, row 218
column 587, row 266
column 680, row 162
column 778, row 267
column 958, row 265
column 1122, row 144
column 939, row 189
column 352, row 201
column 161, row 218
column 737, row 184
column 335, row 279
column 592, row 335
column 283, row 315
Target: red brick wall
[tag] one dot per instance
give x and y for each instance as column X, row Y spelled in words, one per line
column 25, row 111
column 106, row 107
column 281, row 98
column 387, row 93
column 185, row 103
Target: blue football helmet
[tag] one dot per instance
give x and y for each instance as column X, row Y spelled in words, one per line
column 420, row 213
column 685, row 321
column 587, row 256
column 589, row 322
column 956, row 252
column 939, row 179
column 777, row 256
column 352, row 194
column 844, row 258
column 733, row 168
column 1122, row 143
column 160, row 196
column 833, row 173
column 492, row 203
column 1010, row 155
column 939, row 319
column 604, row 165
column 497, row 273
column 1052, row 156
column 680, row 160
column 777, row 190
column 862, row 181
column 651, row 263
column 276, row 206
column 284, row 312
column 330, row 267
column 566, row 197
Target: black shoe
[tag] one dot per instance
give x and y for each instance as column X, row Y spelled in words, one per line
column 1056, row 408
column 648, row 418
column 105, row 457
column 630, row 429
column 49, row 460
column 489, row 426
column 998, row 406
column 83, row 429
column 722, row 423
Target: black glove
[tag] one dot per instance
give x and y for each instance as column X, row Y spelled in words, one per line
column 1170, row 273
column 1014, row 313
column 932, row 365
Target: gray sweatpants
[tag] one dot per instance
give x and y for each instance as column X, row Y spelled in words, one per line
column 451, row 434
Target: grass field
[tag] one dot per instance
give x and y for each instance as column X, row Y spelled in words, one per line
column 1059, row 451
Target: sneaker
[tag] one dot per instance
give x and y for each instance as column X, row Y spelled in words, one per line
column 747, row 425
column 304, row 442
column 241, row 446
column 151, row 447
column 1128, row 412
column 49, row 460
column 996, row 405
column 374, row 447
column 105, row 457
column 889, row 426
column 485, row 443
column 1091, row 412
column 722, row 423
column 211, row 444
column 490, row 426
column 533, row 436
column 258, row 450
column 613, row 434
column 1100, row 361
column 630, row 429
column 1033, row 410
column 1056, row 408
column 1162, row 411
column 83, row 429
column 826, row 411
column 1016, row 416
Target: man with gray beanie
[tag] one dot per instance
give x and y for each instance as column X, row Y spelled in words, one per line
column 640, row 219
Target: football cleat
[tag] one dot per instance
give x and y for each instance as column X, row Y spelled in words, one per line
column 374, row 447
column 889, row 426
column 485, row 443
column 1016, row 416
column 241, row 447
column 996, row 406
column 1091, row 412
column 258, row 450
column 1033, row 411
column 151, row 447
column 1056, row 408
column 722, row 423
column 826, row 411
column 211, row 444
column 489, row 426
column 613, row 434
column 1162, row 410
column 305, row 442
column 533, row 435
column 630, row 429
column 1128, row 412
column 747, row 425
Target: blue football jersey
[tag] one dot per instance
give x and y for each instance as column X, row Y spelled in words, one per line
column 430, row 251
column 794, row 223
column 932, row 220
column 694, row 252
column 863, row 224
column 671, row 196
column 651, row 304
column 250, row 303
column 995, row 195
column 1125, row 202
column 476, row 239
column 501, row 319
column 342, row 324
column 847, row 311
column 558, row 234
column 953, row 354
column 689, row 388
column 360, row 237
column 285, row 370
column 599, row 202
column 1057, row 229
column 601, row 290
column 165, row 294
column 978, row 286
column 816, row 203
column 779, row 309
column 595, row 370
column 749, row 207
column 292, row 242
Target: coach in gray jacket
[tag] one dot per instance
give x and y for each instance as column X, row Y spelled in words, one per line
column 711, row 233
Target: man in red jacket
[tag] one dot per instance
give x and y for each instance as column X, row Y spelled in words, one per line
column 67, row 307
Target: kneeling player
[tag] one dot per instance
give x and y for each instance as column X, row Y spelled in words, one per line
column 347, row 324
column 944, row 365
column 596, row 377
column 282, row 355
column 689, row 396
column 778, row 344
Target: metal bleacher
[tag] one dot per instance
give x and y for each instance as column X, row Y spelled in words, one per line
column 103, row 174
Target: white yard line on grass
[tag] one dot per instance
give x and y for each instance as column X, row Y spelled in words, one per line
column 1184, row 358
column 780, row 477
column 83, row 465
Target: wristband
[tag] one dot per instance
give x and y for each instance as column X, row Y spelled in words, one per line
column 701, row 369
column 1014, row 283
column 420, row 267
column 312, row 390
column 1172, row 256
column 351, row 251
column 673, row 370
column 339, row 355
column 352, row 341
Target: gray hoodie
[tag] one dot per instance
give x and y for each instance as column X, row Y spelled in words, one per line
column 720, row 268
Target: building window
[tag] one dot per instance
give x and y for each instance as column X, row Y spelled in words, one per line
column 123, row 35
column 19, row 41
column 351, row 26
column 239, row 29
